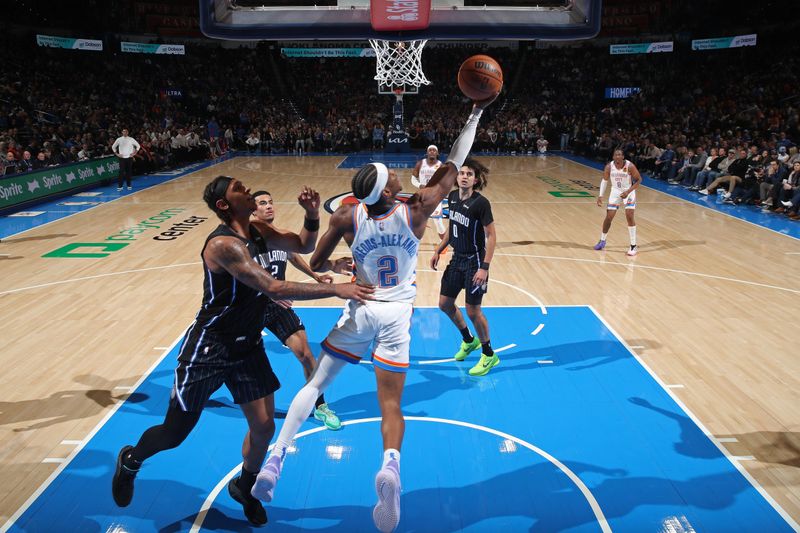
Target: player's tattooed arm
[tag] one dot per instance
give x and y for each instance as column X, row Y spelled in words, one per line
column 231, row 255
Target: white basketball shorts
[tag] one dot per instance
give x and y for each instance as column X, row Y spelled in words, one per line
column 384, row 324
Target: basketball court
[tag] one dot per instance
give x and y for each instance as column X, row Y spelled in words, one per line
column 648, row 393
column 624, row 400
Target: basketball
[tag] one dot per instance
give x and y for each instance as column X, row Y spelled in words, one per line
column 480, row 77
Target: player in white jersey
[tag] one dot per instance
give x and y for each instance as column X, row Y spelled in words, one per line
column 383, row 236
column 422, row 174
column 625, row 179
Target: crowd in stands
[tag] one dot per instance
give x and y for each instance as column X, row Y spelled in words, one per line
column 706, row 120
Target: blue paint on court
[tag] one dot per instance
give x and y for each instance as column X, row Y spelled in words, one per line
column 594, row 408
column 748, row 213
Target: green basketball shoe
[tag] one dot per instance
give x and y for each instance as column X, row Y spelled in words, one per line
column 324, row 414
column 467, row 348
column 486, row 363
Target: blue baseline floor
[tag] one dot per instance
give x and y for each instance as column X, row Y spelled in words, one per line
column 594, row 408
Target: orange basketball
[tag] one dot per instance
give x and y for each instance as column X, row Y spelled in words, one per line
column 480, row 77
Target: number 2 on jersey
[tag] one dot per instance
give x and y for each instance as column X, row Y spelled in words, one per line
column 387, row 271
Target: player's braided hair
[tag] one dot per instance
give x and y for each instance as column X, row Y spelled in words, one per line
column 481, row 173
column 364, row 181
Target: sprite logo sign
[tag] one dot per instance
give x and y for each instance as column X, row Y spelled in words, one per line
column 34, row 185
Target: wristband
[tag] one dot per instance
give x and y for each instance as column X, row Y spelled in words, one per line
column 484, row 265
column 311, row 224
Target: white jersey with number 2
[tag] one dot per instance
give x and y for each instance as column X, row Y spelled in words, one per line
column 385, row 253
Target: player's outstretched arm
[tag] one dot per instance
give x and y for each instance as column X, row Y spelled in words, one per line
column 300, row 264
column 231, row 255
column 428, row 198
column 304, row 241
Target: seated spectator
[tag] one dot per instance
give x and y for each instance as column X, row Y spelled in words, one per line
column 10, row 164
column 711, row 165
column 646, row 156
column 698, row 162
column 783, row 155
column 683, row 159
column 735, row 173
column 42, row 160
column 605, row 146
column 788, row 192
column 26, row 164
column 794, row 156
column 684, row 172
column 747, row 190
column 770, row 189
column 85, row 154
column 664, row 162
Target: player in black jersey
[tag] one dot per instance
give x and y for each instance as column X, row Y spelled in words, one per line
column 280, row 319
column 224, row 344
column 472, row 237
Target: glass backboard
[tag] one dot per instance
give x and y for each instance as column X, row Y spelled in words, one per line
column 443, row 19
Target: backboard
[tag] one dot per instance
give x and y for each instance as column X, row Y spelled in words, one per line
column 439, row 19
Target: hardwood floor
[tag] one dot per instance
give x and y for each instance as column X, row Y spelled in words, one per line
column 710, row 304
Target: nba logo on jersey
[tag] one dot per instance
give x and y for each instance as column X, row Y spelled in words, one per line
column 381, row 225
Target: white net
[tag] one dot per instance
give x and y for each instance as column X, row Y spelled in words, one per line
column 399, row 63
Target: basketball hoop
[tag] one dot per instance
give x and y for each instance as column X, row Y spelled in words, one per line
column 399, row 63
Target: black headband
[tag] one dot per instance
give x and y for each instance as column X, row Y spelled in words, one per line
column 219, row 190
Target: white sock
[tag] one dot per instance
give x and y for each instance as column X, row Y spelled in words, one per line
column 632, row 233
column 327, row 369
column 603, row 236
column 389, row 455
